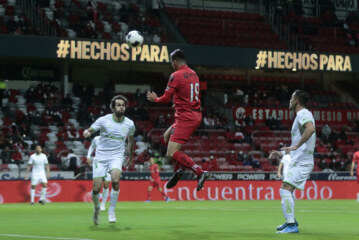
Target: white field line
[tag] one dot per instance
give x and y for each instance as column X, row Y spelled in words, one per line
column 43, row 237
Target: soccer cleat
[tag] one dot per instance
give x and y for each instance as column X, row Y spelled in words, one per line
column 174, row 179
column 284, row 225
column 168, row 199
column 42, row 202
column 32, row 203
column 147, row 201
column 102, row 208
column 111, row 217
column 290, row 229
column 95, row 217
column 201, row 179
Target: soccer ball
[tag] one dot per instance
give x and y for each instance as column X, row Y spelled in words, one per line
column 134, row 39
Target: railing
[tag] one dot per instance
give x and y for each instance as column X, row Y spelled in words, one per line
column 36, row 19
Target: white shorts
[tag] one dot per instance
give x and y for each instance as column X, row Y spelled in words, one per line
column 298, row 173
column 102, row 167
column 38, row 179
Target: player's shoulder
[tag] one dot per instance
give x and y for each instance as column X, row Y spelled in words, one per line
column 305, row 113
column 105, row 117
column 129, row 121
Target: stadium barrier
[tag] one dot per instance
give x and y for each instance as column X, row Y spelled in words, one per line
column 80, row 191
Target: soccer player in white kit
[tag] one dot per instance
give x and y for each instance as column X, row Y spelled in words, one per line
column 284, row 164
column 301, row 152
column 38, row 161
column 106, row 181
column 114, row 129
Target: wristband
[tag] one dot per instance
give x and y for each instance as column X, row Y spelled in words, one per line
column 283, row 153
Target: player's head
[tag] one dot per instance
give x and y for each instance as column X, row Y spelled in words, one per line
column 118, row 105
column 152, row 160
column 38, row 149
column 178, row 59
column 299, row 97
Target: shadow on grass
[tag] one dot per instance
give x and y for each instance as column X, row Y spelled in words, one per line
column 108, row 228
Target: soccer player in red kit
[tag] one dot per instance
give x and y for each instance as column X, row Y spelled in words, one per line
column 183, row 86
column 155, row 181
column 355, row 160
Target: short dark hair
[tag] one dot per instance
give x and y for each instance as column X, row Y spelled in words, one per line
column 113, row 100
column 178, row 54
column 302, row 97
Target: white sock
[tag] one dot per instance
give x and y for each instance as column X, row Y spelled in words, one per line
column 287, row 205
column 32, row 194
column 105, row 192
column 43, row 192
column 96, row 201
column 114, row 197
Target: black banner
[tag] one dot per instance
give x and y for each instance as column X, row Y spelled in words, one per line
column 111, row 51
column 247, row 176
column 41, row 73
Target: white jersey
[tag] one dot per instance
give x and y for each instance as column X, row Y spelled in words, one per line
column 303, row 116
column 38, row 162
column 93, row 146
column 286, row 160
column 113, row 136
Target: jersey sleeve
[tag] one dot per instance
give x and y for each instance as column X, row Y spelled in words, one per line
column 304, row 117
column 132, row 130
column 170, row 90
column 97, row 124
column 356, row 157
column 173, row 81
column 30, row 160
column 46, row 161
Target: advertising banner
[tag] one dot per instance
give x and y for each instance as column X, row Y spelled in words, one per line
column 321, row 116
column 96, row 50
column 80, row 191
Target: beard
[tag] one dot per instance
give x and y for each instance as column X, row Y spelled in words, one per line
column 119, row 114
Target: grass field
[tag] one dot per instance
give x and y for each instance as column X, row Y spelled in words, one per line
column 327, row 220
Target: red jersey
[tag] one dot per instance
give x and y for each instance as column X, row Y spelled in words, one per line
column 155, row 171
column 183, row 86
column 356, row 159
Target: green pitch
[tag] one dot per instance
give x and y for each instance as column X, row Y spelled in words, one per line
column 217, row 220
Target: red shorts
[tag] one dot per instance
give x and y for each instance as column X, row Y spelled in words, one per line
column 183, row 129
column 156, row 183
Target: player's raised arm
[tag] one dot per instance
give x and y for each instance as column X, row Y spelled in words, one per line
column 87, row 133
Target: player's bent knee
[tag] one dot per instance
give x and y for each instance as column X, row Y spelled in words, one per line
column 288, row 187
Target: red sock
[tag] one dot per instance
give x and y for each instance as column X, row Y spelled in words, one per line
column 187, row 162
column 149, row 195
